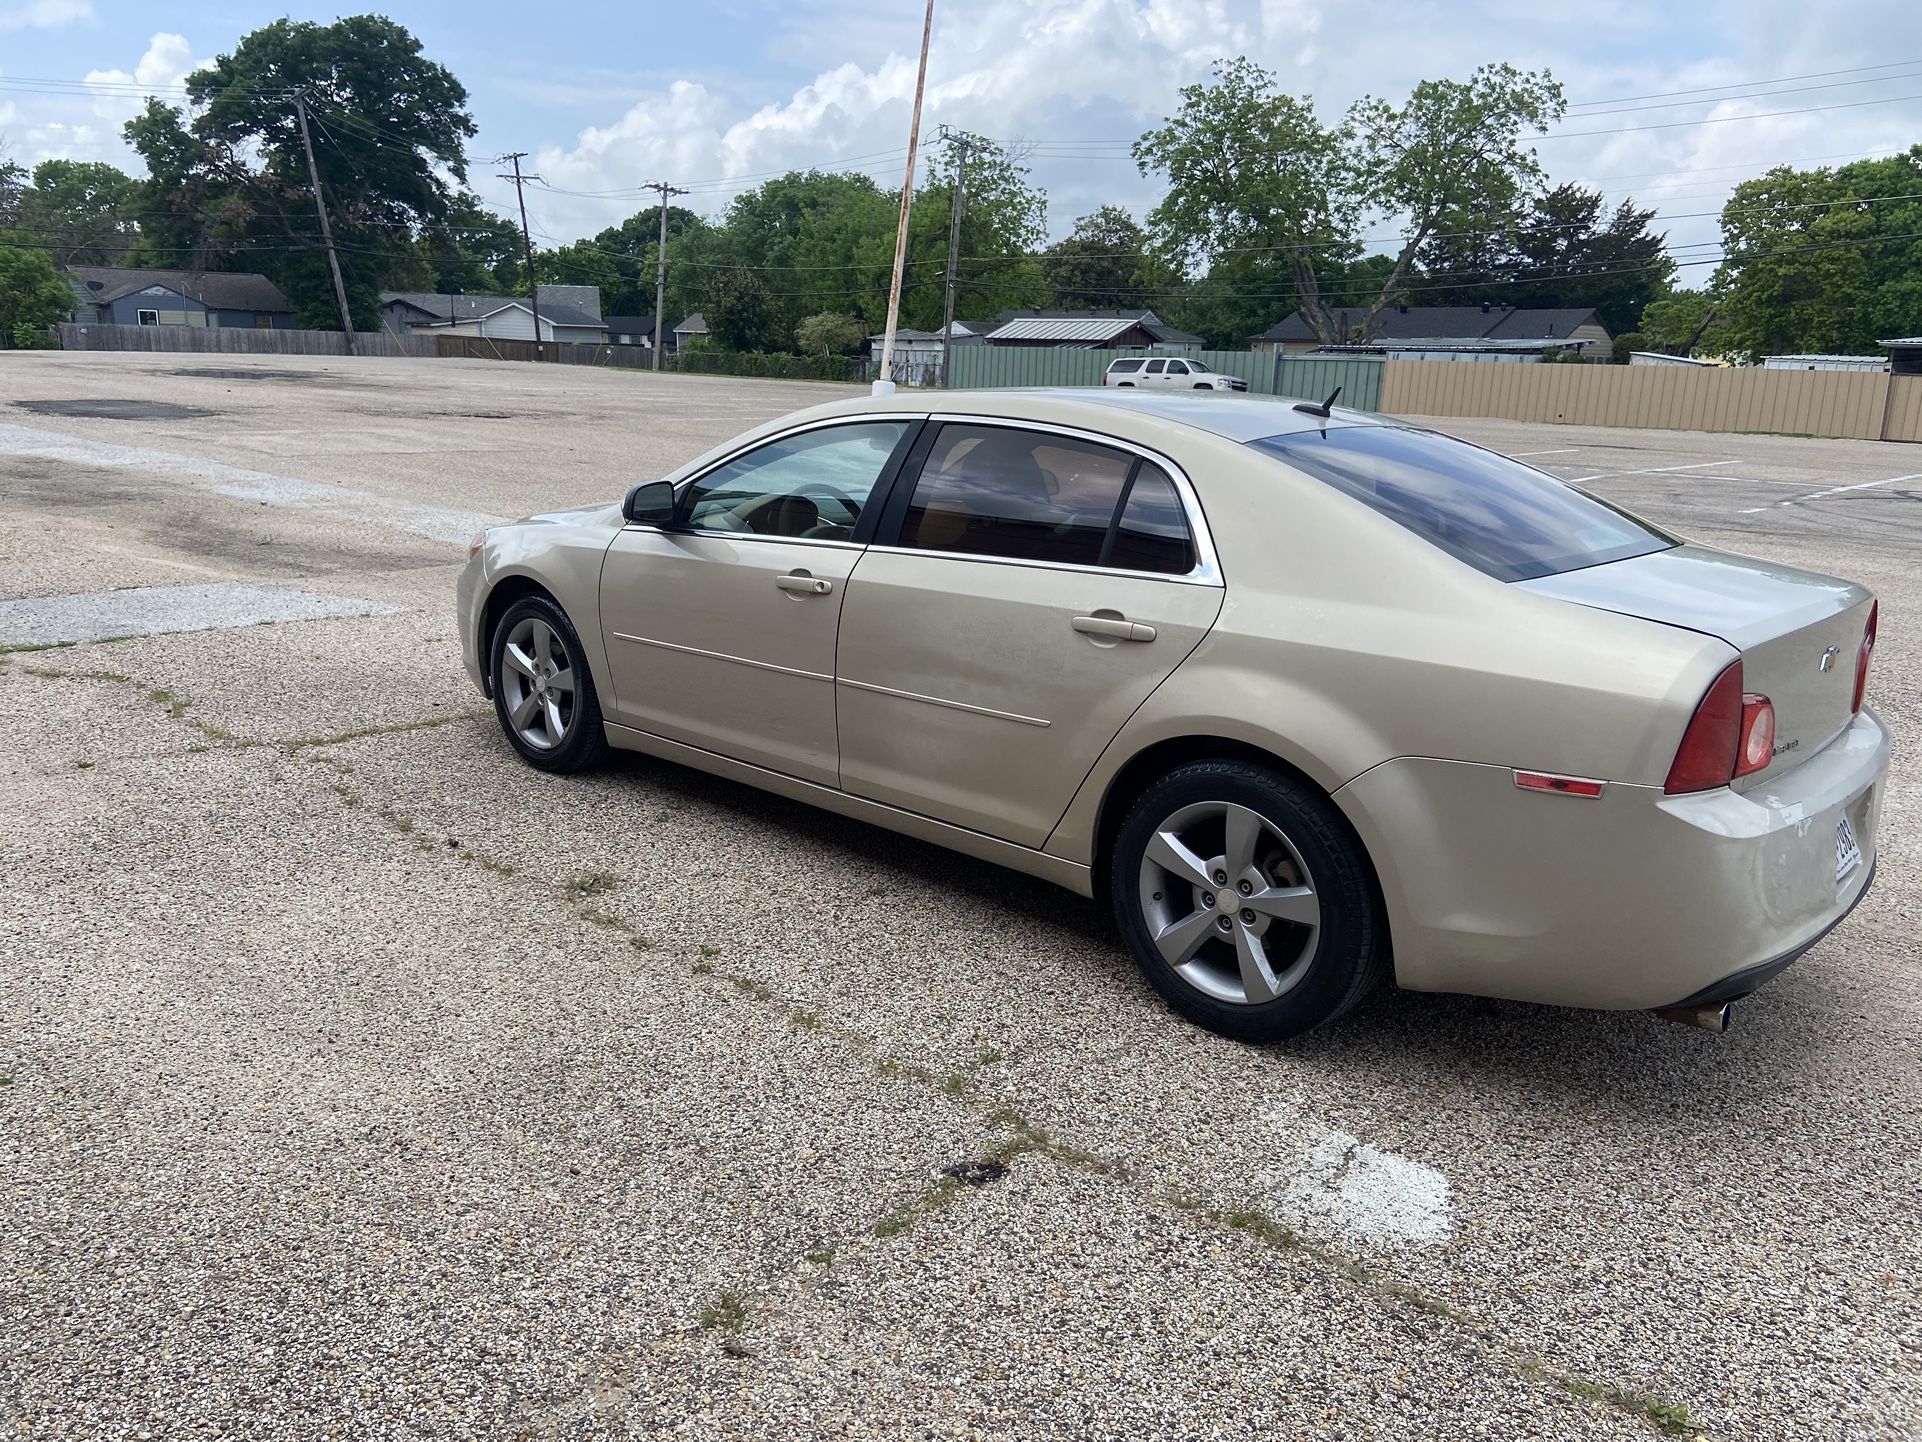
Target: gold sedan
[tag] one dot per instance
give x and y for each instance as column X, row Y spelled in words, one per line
column 1313, row 699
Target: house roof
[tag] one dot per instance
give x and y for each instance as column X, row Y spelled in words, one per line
column 217, row 289
column 695, row 324
column 1454, row 322
column 449, row 309
column 1908, row 341
column 630, row 324
column 1064, row 329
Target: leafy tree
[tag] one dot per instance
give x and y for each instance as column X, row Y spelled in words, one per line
column 13, row 181
column 830, row 333
column 1003, row 221
column 1626, row 344
column 1559, row 249
column 388, row 128
column 739, row 314
column 1251, row 168
column 472, row 252
column 1676, row 323
column 1102, row 265
column 1823, row 260
column 84, row 212
column 634, row 246
column 32, row 295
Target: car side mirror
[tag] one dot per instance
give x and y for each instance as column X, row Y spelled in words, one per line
column 650, row 504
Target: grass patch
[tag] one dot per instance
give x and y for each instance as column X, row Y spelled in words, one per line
column 821, row 1256
column 1668, row 1417
column 710, row 951
column 902, row 1217
column 592, row 883
column 806, row 1020
column 18, row 648
column 727, row 1314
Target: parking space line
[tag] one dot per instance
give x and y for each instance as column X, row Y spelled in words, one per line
column 1833, row 491
column 1558, row 451
column 1649, row 471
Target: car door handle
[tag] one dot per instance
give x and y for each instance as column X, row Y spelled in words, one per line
column 1113, row 626
column 802, row 584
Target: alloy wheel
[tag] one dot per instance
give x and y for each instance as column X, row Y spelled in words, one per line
column 537, row 683
column 1229, row 903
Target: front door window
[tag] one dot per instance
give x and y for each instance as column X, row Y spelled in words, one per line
column 811, row 486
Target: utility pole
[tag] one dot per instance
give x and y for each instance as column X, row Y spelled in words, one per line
column 660, row 268
column 884, row 383
column 961, row 145
column 326, row 231
column 527, row 244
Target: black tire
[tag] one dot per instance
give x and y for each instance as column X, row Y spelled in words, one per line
column 583, row 743
column 1346, row 955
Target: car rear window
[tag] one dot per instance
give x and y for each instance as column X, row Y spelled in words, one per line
column 1505, row 519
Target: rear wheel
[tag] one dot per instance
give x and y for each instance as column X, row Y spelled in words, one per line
column 543, row 693
column 1247, row 901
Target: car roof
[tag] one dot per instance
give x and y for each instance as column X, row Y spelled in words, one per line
column 1236, row 416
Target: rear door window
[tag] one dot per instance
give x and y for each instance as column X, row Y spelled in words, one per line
column 1155, row 367
column 1033, row 496
column 1505, row 519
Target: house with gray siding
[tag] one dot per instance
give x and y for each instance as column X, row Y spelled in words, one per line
column 570, row 314
column 110, row 295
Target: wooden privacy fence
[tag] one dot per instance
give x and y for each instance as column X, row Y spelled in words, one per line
column 233, row 340
column 1267, row 372
column 1853, row 405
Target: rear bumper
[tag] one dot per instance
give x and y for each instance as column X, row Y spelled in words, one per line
column 1633, row 900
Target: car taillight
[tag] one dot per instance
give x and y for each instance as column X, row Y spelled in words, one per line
column 1757, row 746
column 1706, row 757
column 1862, row 654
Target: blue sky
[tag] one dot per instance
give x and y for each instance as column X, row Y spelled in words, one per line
column 717, row 93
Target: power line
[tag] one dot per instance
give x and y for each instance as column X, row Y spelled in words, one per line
column 1738, row 84
column 527, row 244
column 660, row 272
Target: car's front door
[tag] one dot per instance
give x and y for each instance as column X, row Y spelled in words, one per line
column 720, row 629
column 1027, row 590
column 1154, row 373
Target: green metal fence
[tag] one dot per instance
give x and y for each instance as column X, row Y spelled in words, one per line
column 1267, row 372
column 1314, row 377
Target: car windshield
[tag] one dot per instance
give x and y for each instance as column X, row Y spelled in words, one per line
column 1505, row 519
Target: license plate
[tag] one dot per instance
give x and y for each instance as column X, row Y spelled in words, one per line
column 1848, row 855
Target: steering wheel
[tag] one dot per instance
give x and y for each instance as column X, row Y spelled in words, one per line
column 833, row 493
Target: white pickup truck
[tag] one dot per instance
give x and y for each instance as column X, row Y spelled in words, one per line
column 1168, row 372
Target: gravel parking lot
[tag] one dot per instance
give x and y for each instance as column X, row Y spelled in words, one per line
column 361, row 1082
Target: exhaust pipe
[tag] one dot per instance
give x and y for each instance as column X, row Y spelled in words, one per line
column 1713, row 1018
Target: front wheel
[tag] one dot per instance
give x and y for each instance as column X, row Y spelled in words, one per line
column 543, row 692
column 1247, row 901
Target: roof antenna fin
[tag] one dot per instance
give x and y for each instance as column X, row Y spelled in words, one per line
column 1323, row 410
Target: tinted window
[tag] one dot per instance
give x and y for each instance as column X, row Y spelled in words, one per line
column 1030, row 496
column 1503, row 518
column 811, row 485
column 1198, row 368
column 1125, row 365
column 1152, row 534
column 1155, row 367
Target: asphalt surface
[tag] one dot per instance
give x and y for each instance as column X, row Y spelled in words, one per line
column 359, row 1081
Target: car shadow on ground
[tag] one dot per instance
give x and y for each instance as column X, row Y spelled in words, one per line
column 1502, row 1053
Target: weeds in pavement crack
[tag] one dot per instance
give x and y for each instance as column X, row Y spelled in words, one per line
column 726, row 1314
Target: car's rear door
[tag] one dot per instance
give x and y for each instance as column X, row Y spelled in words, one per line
column 1028, row 588
column 720, row 630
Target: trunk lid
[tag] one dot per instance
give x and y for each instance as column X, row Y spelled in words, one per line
column 1798, row 632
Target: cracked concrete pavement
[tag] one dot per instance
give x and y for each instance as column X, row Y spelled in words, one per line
column 358, row 1080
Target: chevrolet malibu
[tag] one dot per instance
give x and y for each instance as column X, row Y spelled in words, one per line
column 1312, row 699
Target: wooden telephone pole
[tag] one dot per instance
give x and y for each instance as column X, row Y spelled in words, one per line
column 660, row 268
column 961, row 145
column 326, row 231
column 527, row 246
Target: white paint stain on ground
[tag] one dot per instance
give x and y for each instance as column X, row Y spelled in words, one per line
column 436, row 523
column 162, row 610
column 1332, row 1184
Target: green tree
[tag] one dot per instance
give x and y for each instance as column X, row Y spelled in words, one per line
column 1822, row 260
column 1103, row 264
column 32, row 295
column 1003, row 222
column 472, row 252
column 1675, row 323
column 84, row 212
column 13, row 182
column 1251, row 168
column 388, row 125
column 739, row 314
column 830, row 333
column 634, row 248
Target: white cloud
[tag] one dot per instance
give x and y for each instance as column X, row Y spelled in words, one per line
column 119, row 95
column 45, row 14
